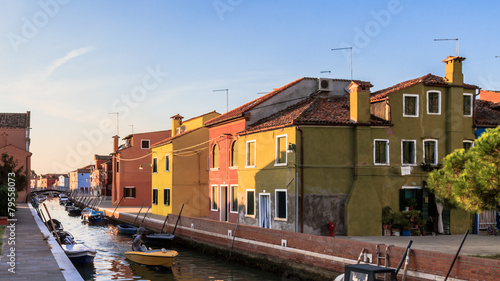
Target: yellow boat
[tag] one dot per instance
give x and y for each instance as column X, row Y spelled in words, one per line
column 155, row 257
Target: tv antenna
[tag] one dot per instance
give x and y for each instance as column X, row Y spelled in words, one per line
column 227, row 97
column 328, row 71
column 450, row 39
column 346, row 48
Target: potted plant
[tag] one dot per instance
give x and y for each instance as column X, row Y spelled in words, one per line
column 411, row 203
column 397, row 223
column 387, row 217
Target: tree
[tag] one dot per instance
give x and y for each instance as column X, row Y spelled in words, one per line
column 470, row 179
column 8, row 165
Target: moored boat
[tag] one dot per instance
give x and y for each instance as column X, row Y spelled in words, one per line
column 74, row 211
column 79, row 253
column 91, row 216
column 126, row 229
column 161, row 257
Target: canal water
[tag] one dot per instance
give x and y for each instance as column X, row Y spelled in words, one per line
column 110, row 262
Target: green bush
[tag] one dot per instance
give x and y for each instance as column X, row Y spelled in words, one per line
column 4, row 200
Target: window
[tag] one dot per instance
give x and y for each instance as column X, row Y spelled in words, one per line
column 145, row 144
column 250, row 203
column 467, row 104
column 234, row 154
column 155, row 196
column 117, row 167
column 166, row 196
column 129, row 192
column 430, row 152
column 468, row 144
column 280, row 204
column 167, row 163
column 155, row 165
column 214, row 206
column 433, row 102
column 381, row 152
column 250, row 154
column 215, row 156
column 408, row 155
column 280, row 150
column 234, row 198
column 410, row 105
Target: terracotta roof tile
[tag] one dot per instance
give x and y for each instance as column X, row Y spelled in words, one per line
column 315, row 110
column 167, row 140
column 487, row 113
column 428, row 80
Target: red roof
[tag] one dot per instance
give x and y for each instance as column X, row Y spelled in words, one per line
column 333, row 111
column 487, row 113
column 238, row 112
column 167, row 140
column 428, row 80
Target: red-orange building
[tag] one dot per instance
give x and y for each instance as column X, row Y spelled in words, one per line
column 15, row 141
column 132, row 168
column 493, row 96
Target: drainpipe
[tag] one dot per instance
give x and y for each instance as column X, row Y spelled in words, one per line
column 301, row 177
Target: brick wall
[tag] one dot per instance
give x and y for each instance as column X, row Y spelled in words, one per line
column 320, row 251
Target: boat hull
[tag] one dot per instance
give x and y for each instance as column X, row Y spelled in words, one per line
column 126, row 229
column 79, row 253
column 163, row 258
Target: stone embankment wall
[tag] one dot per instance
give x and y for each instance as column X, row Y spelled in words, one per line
column 317, row 252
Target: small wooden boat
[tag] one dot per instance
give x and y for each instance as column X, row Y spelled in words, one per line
column 74, row 211
column 126, row 229
column 63, row 200
column 79, row 253
column 91, row 216
column 57, row 224
column 161, row 257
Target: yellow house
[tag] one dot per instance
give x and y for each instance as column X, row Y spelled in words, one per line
column 179, row 168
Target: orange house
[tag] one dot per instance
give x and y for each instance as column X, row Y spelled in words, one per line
column 132, row 168
column 15, row 141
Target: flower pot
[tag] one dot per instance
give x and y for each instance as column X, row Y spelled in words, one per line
column 395, row 232
column 386, row 226
column 405, row 232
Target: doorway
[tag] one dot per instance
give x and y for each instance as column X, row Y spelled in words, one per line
column 223, row 203
column 265, row 210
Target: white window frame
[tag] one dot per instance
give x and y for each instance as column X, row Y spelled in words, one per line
column 277, row 152
column 386, row 152
column 254, row 154
column 149, row 144
column 153, row 165
column 231, row 199
column 246, row 204
column 170, row 196
column 471, row 104
column 167, row 157
column 415, row 154
column 435, row 152
column 416, row 105
column 276, row 205
column 469, row 141
column 212, row 197
column 439, row 102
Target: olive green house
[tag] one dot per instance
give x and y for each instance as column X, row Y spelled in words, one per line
column 340, row 153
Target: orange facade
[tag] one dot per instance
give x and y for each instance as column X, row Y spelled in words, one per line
column 132, row 168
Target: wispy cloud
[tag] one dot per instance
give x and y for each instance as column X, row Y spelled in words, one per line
column 60, row 61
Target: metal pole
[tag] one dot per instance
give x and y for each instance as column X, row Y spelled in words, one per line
column 456, row 255
column 112, row 215
column 139, row 211
column 173, row 233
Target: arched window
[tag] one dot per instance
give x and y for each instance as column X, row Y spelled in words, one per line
column 234, row 154
column 215, row 156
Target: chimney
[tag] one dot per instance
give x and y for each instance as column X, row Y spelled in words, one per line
column 115, row 143
column 359, row 101
column 176, row 123
column 454, row 73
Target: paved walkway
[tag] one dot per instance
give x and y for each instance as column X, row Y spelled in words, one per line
column 36, row 258
column 477, row 244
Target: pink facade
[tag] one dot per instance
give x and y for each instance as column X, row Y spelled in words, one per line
column 224, row 176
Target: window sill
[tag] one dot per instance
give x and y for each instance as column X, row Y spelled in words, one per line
column 233, row 167
column 382, row 164
column 214, row 169
column 414, row 116
column 281, row 219
column 248, row 167
column 280, row 164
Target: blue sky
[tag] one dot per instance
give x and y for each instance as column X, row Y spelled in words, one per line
column 72, row 62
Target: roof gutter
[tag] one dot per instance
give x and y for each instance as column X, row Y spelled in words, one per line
column 301, row 178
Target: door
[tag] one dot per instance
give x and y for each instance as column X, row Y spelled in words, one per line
column 265, row 210
column 223, row 203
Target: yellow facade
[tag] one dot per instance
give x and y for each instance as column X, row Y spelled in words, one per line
column 181, row 173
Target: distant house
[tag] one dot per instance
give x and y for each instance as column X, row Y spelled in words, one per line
column 98, row 174
column 63, row 182
column 15, row 141
column 79, row 180
column 131, row 168
column 179, row 168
